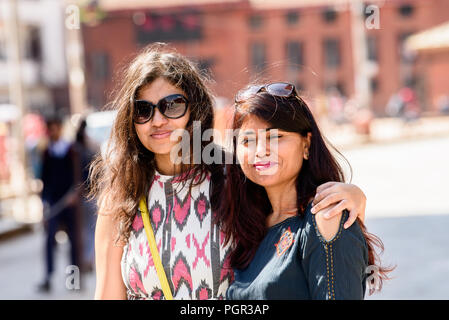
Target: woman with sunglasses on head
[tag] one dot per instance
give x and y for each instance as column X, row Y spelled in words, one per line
column 282, row 250
column 155, row 234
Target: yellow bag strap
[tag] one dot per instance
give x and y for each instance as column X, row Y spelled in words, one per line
column 154, row 251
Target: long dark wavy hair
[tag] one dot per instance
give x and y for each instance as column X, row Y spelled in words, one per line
column 123, row 174
column 243, row 214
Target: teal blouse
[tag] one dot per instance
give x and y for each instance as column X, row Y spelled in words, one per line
column 294, row 261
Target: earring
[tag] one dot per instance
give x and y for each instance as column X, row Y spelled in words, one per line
column 306, row 154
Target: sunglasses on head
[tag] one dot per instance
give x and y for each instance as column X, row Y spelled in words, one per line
column 172, row 107
column 278, row 89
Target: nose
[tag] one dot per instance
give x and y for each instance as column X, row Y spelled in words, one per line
column 262, row 148
column 158, row 118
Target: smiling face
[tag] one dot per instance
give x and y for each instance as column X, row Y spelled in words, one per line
column 268, row 158
column 155, row 134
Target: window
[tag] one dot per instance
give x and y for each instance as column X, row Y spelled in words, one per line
column 258, row 57
column 294, row 55
column 406, row 10
column 374, row 85
column 292, row 17
column 337, row 88
column 329, row 15
column 372, row 48
column 33, row 49
column 178, row 26
column 99, row 63
column 332, row 53
column 255, row 22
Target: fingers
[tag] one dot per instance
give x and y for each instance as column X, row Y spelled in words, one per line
column 328, row 199
column 336, row 210
column 325, row 186
column 323, row 194
column 351, row 219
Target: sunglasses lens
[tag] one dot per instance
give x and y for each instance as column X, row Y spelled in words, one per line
column 143, row 111
column 247, row 93
column 173, row 107
column 280, row 89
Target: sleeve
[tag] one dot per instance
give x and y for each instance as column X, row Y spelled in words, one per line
column 45, row 177
column 334, row 269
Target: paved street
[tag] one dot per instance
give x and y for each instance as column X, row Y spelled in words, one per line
column 22, row 268
column 408, row 208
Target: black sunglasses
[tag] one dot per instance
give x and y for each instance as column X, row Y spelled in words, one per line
column 173, row 107
column 278, row 89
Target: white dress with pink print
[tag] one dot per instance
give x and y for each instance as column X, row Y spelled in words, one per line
column 190, row 245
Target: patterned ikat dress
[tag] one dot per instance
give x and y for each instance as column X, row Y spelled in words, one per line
column 191, row 247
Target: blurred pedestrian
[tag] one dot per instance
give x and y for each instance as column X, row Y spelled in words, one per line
column 411, row 107
column 58, row 197
column 395, row 106
column 84, row 154
column 35, row 141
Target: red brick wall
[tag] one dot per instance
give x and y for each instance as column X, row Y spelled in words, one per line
column 227, row 39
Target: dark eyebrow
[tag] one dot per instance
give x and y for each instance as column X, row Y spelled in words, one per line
column 268, row 129
column 254, row 132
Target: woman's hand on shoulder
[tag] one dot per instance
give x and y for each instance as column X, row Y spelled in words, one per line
column 333, row 197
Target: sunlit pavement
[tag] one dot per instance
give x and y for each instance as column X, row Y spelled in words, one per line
column 22, row 268
column 408, row 208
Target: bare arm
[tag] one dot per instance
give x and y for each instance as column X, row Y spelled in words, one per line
column 108, row 256
column 328, row 228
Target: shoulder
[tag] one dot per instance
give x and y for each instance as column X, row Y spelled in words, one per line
column 319, row 234
column 328, row 228
column 316, row 226
column 317, row 229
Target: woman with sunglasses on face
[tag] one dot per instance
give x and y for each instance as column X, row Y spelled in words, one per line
column 162, row 92
column 282, row 250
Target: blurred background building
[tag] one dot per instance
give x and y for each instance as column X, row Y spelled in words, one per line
column 44, row 71
column 305, row 42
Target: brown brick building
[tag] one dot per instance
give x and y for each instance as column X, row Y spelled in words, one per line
column 307, row 42
column 432, row 63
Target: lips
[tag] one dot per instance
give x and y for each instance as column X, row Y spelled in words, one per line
column 161, row 134
column 264, row 165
